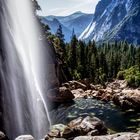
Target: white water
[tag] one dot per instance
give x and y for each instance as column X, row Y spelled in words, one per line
column 23, row 74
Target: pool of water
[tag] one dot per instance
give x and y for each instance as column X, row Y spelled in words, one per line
column 114, row 118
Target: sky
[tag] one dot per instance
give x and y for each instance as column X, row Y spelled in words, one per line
column 66, row 7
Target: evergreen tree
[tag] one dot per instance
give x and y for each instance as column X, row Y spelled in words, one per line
column 138, row 57
column 73, row 53
column 60, row 36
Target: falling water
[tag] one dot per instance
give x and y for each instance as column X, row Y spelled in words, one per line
column 23, row 71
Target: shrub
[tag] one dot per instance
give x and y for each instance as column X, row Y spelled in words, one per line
column 131, row 75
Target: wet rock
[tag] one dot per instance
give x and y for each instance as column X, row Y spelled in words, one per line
column 3, row 136
column 25, row 137
column 83, row 126
column 80, row 126
column 59, row 131
column 118, row 136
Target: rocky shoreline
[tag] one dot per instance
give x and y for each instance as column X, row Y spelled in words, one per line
column 117, row 91
column 90, row 128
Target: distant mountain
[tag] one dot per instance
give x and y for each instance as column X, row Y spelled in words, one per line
column 77, row 21
column 54, row 24
column 115, row 20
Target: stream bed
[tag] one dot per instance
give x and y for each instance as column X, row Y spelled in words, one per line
column 116, row 120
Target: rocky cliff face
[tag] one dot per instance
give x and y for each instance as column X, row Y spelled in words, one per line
column 115, row 20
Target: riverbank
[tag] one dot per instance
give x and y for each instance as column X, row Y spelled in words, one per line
column 117, row 91
column 94, row 113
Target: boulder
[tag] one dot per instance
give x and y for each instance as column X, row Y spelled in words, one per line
column 80, row 126
column 86, row 82
column 88, row 92
column 95, row 94
column 84, row 126
column 92, row 87
column 79, row 85
column 106, row 97
column 3, row 136
column 118, row 136
column 61, row 95
column 78, row 93
column 109, row 90
column 65, row 93
column 59, row 131
column 25, row 137
column 127, row 99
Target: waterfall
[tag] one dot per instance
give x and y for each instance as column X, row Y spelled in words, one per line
column 23, row 71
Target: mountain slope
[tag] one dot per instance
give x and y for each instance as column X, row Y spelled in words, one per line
column 116, row 20
column 77, row 21
column 54, row 24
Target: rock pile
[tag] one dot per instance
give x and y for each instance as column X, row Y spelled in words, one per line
column 91, row 126
column 116, row 91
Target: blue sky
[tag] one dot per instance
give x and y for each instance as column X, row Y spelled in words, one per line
column 66, row 7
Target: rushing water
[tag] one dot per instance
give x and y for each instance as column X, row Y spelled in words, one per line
column 23, row 71
column 114, row 118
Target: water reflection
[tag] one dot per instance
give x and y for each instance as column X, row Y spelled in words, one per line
column 114, row 117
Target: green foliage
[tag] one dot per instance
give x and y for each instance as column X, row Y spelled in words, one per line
column 131, row 75
column 99, row 63
column 76, row 75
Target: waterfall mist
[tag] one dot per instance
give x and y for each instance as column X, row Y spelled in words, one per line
column 23, row 71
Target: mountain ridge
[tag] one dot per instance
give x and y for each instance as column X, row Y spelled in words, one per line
column 77, row 21
column 115, row 21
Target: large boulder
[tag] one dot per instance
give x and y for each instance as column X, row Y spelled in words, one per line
column 127, row 99
column 60, row 95
column 59, row 131
column 88, row 125
column 25, row 137
column 118, row 136
column 80, row 126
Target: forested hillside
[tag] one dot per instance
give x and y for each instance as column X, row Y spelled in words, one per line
column 98, row 62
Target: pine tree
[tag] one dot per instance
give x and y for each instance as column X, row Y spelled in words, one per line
column 73, row 52
column 138, row 57
column 81, row 58
column 60, row 35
